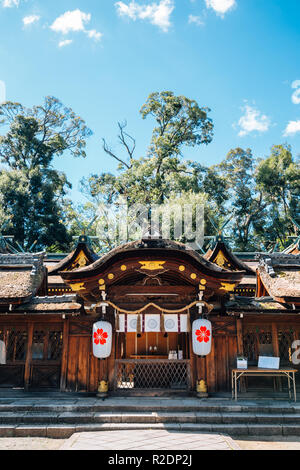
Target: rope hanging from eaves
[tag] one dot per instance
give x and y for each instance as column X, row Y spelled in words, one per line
column 161, row 309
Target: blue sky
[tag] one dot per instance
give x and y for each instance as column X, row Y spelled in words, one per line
column 104, row 57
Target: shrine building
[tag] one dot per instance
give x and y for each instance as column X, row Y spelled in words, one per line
column 150, row 293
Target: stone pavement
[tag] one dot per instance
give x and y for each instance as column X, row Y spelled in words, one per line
column 149, row 440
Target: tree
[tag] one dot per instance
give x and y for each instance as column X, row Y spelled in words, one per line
column 278, row 178
column 32, row 191
column 162, row 175
column 246, row 204
column 181, row 123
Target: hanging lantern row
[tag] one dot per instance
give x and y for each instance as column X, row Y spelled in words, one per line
column 201, row 338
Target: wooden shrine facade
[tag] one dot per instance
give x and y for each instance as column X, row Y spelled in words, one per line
column 48, row 353
column 151, row 291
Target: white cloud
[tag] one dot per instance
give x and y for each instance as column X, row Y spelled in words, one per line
column 93, row 34
column 220, row 6
column 2, row 91
column 71, row 21
column 292, row 128
column 28, row 20
column 296, row 94
column 10, row 3
column 74, row 21
column 253, row 120
column 65, row 42
column 157, row 13
column 196, row 20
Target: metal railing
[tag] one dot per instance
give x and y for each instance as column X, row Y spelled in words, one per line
column 152, row 374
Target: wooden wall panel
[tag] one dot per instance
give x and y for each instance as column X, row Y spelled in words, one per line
column 83, row 364
column 72, row 363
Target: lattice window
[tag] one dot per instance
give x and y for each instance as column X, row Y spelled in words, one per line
column 250, row 346
column 55, row 345
column 38, row 345
column 16, row 345
column 47, row 344
column 255, row 340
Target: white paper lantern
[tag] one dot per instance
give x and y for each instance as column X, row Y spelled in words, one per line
column 102, row 339
column 202, row 336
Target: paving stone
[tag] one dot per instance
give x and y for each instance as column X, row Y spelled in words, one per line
column 176, row 418
column 291, row 430
column 143, row 441
column 196, row 427
column 60, row 432
column 264, row 430
column 70, row 417
column 269, row 418
column 10, row 417
column 236, row 418
column 93, row 427
column 231, row 429
column 138, row 418
column 7, row 431
column 30, row 431
column 208, row 417
column 107, row 417
column 39, row 418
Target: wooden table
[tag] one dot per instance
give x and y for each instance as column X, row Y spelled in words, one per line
column 259, row 372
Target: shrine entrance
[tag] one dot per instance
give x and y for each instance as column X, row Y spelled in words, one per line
column 152, row 361
column 151, row 291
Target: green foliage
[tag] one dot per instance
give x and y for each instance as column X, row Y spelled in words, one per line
column 278, row 178
column 32, row 192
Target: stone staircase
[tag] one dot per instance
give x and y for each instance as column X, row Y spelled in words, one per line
column 61, row 417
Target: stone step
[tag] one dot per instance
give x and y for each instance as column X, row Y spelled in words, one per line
column 47, row 418
column 287, row 408
column 65, row 431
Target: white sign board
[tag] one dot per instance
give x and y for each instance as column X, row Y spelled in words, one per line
column 265, row 362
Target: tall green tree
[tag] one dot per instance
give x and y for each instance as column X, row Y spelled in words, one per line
column 179, row 123
column 32, row 190
column 246, row 205
column 278, row 178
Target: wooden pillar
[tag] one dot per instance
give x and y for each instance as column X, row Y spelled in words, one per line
column 193, row 363
column 111, row 363
column 211, row 367
column 28, row 356
column 239, row 332
column 277, row 381
column 64, row 359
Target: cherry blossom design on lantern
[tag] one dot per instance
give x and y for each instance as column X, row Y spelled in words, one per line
column 203, row 334
column 100, row 336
